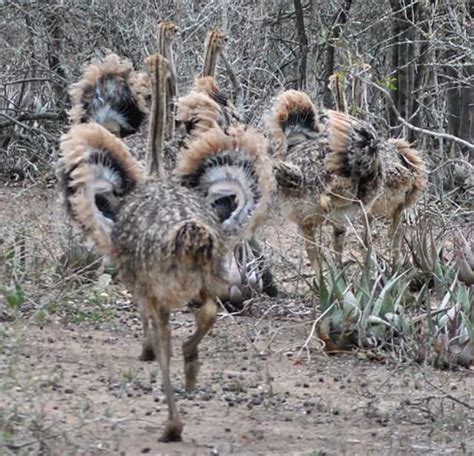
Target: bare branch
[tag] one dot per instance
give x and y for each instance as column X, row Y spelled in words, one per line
column 27, row 127
column 26, row 117
column 407, row 124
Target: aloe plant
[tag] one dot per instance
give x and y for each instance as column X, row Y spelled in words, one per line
column 362, row 311
column 369, row 310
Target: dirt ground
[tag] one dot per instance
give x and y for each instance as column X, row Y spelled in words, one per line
column 88, row 394
column 71, row 383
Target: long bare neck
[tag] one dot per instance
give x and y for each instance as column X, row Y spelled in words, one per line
column 158, row 71
column 211, row 54
column 166, row 34
column 337, row 88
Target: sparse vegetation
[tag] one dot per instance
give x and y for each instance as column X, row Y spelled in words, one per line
column 373, row 356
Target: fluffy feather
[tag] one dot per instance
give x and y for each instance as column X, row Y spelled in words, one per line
column 325, row 150
column 112, row 94
column 233, row 173
column 96, row 171
column 208, row 86
column 292, row 119
column 326, row 164
column 412, row 159
column 228, row 181
column 167, row 239
column 204, row 108
column 406, row 178
column 196, row 114
column 133, row 219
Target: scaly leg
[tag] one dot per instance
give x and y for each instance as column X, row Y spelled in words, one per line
column 396, row 233
column 205, row 317
column 147, row 353
column 161, row 337
column 313, row 251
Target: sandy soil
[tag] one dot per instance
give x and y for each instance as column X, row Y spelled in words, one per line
column 91, row 395
column 71, row 383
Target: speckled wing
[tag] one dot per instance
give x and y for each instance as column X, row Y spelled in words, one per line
column 96, row 171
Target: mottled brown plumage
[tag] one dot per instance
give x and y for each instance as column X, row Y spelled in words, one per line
column 167, row 241
column 112, row 94
column 196, row 114
column 326, row 165
column 170, row 241
column 204, row 108
column 208, row 86
column 405, row 176
column 405, row 180
column 81, row 156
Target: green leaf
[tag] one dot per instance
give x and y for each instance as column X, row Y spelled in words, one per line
column 14, row 297
column 384, row 298
column 324, row 295
column 401, row 295
column 463, row 298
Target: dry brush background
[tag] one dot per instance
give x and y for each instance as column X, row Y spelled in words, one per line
column 408, row 68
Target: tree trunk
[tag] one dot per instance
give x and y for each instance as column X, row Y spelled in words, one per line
column 303, row 40
column 460, row 103
column 460, row 95
column 54, row 33
column 339, row 20
column 404, row 58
